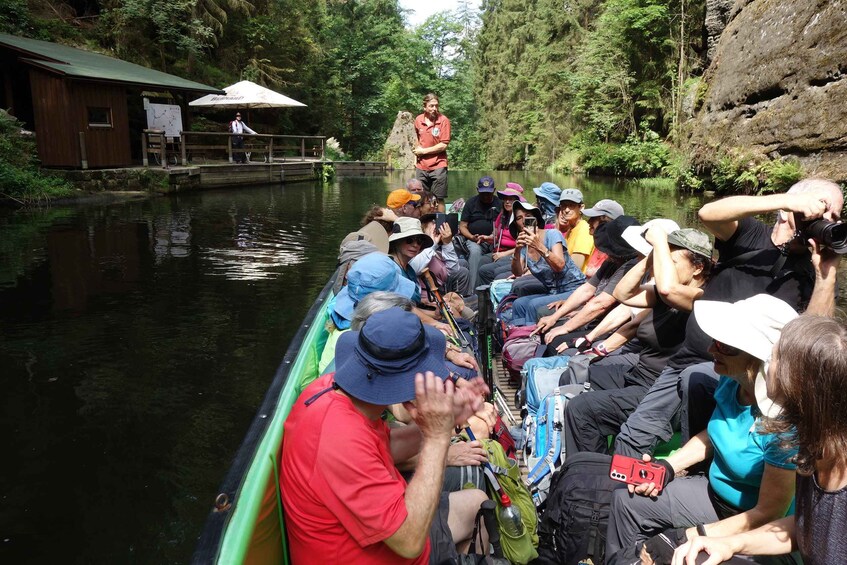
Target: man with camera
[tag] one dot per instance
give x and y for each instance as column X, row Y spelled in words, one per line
column 754, row 259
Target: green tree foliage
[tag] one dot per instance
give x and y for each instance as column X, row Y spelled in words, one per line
column 19, row 176
column 448, row 70
column 592, row 71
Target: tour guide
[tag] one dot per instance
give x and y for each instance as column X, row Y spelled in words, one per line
column 343, row 497
column 433, row 131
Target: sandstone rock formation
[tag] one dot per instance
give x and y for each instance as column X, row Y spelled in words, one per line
column 397, row 151
column 777, row 84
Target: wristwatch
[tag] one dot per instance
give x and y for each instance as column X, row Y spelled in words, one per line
column 546, row 254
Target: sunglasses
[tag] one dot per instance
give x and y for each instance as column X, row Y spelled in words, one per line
column 725, row 349
column 419, row 239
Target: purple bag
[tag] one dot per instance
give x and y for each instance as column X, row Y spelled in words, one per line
column 519, row 348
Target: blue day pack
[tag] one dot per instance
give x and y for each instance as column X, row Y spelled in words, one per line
column 540, row 376
column 499, row 290
column 544, row 450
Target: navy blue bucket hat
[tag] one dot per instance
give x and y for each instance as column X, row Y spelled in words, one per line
column 378, row 364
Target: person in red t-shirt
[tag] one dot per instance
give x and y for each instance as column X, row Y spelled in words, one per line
column 433, row 131
column 343, row 497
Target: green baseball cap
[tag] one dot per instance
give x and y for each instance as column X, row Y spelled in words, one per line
column 693, row 240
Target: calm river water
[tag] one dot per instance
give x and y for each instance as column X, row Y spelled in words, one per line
column 139, row 338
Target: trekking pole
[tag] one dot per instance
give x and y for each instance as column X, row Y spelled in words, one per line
column 484, row 336
column 432, row 289
column 488, row 518
column 485, row 330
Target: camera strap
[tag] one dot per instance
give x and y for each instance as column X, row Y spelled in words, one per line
column 744, row 257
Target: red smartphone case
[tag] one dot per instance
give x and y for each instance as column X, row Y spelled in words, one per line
column 636, row 472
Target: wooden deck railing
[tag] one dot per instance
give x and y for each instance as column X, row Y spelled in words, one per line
column 192, row 146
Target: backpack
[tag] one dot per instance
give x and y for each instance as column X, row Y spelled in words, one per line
column 519, row 348
column 502, row 436
column 503, row 323
column 544, row 449
column 508, row 474
column 574, row 524
column 540, row 376
column 498, row 290
column 577, row 370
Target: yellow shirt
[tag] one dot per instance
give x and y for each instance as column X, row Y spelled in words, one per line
column 580, row 241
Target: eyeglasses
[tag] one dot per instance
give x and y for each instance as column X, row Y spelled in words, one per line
column 419, row 239
column 725, row 349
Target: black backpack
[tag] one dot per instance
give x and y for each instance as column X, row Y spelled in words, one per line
column 573, row 527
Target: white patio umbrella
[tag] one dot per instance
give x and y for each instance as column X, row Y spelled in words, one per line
column 246, row 94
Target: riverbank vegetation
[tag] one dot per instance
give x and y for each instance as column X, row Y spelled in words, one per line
column 20, row 179
column 588, row 86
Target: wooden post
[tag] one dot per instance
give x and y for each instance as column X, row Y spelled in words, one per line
column 229, row 147
column 302, row 148
column 83, row 154
column 163, row 150
column 182, row 149
column 323, row 149
column 271, row 151
column 144, row 148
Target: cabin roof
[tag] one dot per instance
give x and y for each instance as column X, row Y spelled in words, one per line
column 87, row 65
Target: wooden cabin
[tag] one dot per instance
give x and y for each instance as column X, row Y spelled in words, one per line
column 82, row 106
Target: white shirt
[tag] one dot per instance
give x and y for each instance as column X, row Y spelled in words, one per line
column 240, row 127
column 448, row 253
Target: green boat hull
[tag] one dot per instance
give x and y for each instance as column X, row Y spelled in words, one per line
column 246, row 524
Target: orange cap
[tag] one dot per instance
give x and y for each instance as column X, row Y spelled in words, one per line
column 400, row 197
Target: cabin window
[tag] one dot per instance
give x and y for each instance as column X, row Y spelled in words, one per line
column 99, row 117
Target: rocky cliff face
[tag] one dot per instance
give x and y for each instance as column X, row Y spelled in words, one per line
column 776, row 84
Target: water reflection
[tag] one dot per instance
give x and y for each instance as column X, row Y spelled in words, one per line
column 172, row 236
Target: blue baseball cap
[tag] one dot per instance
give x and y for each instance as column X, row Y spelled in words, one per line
column 548, row 191
column 485, row 184
column 378, row 364
column 373, row 272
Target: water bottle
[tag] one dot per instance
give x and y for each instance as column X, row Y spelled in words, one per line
column 510, row 517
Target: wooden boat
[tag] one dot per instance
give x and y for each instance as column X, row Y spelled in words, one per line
column 246, row 524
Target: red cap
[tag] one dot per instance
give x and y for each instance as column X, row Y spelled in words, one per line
column 505, row 500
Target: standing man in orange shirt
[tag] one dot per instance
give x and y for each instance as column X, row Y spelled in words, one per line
column 433, row 131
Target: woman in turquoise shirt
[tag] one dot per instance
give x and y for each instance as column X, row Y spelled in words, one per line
column 751, row 478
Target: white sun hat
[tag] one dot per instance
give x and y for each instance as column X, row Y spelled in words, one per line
column 409, row 227
column 752, row 325
column 633, row 235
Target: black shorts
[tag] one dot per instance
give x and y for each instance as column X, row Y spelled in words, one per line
column 442, row 548
column 434, row 181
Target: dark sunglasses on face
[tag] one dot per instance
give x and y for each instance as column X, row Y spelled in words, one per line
column 419, row 239
column 725, row 349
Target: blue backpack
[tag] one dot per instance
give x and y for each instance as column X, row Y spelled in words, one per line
column 540, row 377
column 544, row 449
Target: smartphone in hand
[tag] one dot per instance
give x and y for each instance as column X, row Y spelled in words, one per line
column 440, row 218
column 634, row 471
column 531, row 223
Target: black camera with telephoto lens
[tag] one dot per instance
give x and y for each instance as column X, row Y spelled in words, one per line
column 825, row 232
